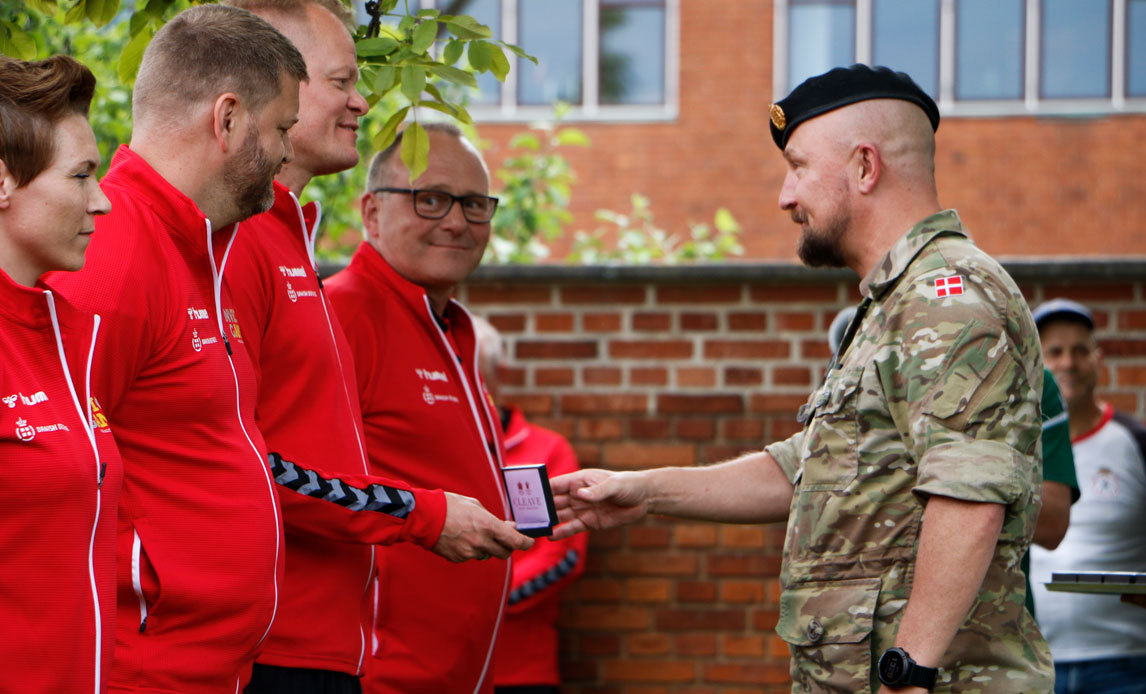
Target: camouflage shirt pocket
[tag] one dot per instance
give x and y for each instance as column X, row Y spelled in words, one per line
column 828, row 452
column 828, row 627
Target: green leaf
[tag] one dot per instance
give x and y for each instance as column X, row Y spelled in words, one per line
column 454, row 75
column 379, row 45
column 385, row 78
column 500, row 65
column 479, row 55
column 424, row 35
column 572, row 137
column 76, row 13
column 465, row 27
column 413, row 82
column 101, row 11
column 415, row 150
column 448, row 109
column 452, row 52
column 132, row 54
column 725, row 222
column 20, row 43
column 48, row 7
column 518, row 51
column 407, row 23
column 431, row 13
column 526, row 140
column 385, row 136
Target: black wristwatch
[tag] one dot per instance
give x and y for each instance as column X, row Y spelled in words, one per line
column 897, row 670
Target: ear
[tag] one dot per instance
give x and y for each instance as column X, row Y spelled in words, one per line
column 7, row 186
column 869, row 167
column 369, row 206
column 226, row 114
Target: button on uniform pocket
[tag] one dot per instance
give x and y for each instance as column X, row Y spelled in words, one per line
column 829, row 444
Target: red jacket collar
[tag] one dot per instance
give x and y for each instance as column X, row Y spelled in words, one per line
column 183, row 217
column 28, row 306
column 385, row 277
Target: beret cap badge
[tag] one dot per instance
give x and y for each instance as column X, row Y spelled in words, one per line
column 777, row 115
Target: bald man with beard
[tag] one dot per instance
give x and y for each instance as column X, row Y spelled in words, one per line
column 912, row 491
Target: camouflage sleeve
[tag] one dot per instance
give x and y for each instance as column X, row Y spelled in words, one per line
column 961, row 392
column 787, row 454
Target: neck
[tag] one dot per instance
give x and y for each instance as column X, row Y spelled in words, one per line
column 439, row 299
column 1084, row 416
column 20, row 274
column 877, row 232
column 189, row 169
column 294, row 178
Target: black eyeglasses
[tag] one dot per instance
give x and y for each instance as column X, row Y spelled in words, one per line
column 436, row 204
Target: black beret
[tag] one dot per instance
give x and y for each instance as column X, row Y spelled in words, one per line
column 842, row 86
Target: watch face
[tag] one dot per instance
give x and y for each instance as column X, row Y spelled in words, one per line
column 890, row 667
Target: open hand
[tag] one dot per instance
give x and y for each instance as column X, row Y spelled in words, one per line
column 598, row 499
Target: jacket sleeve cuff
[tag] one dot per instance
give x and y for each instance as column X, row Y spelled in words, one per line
column 424, row 525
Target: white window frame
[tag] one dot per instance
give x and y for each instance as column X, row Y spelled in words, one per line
column 1031, row 102
column 509, row 111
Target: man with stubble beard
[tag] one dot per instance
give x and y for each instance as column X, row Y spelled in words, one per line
column 912, row 491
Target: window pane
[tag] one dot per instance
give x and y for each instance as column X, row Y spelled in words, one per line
column 1136, row 48
column 1075, row 48
column 821, row 36
column 488, row 12
column 551, row 31
column 989, row 49
column 632, row 60
column 905, row 37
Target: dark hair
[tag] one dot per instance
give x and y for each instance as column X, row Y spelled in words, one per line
column 211, row 49
column 382, row 159
column 297, row 9
column 34, row 98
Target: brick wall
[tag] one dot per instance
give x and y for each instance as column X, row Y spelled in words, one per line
column 642, row 367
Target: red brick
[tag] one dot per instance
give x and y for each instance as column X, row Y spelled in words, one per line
column 699, row 620
column 742, row 536
column 598, row 590
column 648, row 590
column 780, row 429
column 1085, row 293
column 589, row 455
column 693, row 645
column 647, row 644
column 648, row 376
column 601, row 376
column 1131, row 376
column 555, row 349
column 746, row 673
column 745, row 646
column 787, row 404
column 792, row 293
column 565, row 427
column 688, row 294
column 507, row 322
column 646, row 455
column 604, row 539
column 601, row 322
column 649, row 537
column 609, row 618
column 746, row 349
column 1125, row 402
column 532, row 404
column 600, row 644
column 695, row 429
column 1122, row 347
column 718, row 453
column 778, row 647
column 802, row 321
column 815, row 349
column 750, row 592
column 695, row 377
column 696, row 591
column 695, row 535
column 603, row 294
column 581, row 671
column 644, row 670
column 512, row 376
column 553, row 377
column 553, row 322
column 652, row 564
column 599, row 429
column 742, row 429
column 741, row 376
column 742, row 565
column 764, row 620
column 651, row 322
column 695, row 404
column 515, row 293
column 1132, row 319
column 791, row 376
column 748, row 321
column 699, row 322
column 649, row 428
column 650, row 349
column 602, row 404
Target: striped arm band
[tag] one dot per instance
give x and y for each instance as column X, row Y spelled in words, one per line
column 551, row 575
column 375, row 497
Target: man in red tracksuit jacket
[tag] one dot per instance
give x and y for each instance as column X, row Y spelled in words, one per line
column 307, row 407
column 526, row 660
column 428, row 418
column 200, row 536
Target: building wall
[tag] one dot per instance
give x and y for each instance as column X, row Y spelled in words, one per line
column 644, row 367
column 1024, row 185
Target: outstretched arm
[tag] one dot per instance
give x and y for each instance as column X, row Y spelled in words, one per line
column 748, row 489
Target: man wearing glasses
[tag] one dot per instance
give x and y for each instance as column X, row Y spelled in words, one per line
column 427, row 417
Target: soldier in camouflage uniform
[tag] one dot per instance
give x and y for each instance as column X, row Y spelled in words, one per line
column 912, row 492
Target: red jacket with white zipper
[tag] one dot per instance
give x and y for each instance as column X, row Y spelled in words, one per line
column 59, row 487
column 199, row 549
column 429, row 421
column 527, row 647
column 308, row 411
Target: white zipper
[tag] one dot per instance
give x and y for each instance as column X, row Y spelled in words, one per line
column 137, row 580
column 495, row 466
column 217, row 280
column 309, row 236
column 95, row 452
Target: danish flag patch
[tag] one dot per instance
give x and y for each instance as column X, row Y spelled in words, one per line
column 948, row 286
